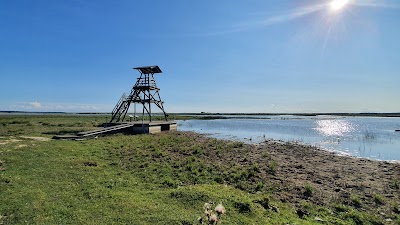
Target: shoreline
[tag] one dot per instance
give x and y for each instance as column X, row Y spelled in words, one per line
column 246, row 141
column 383, row 114
column 338, row 153
column 290, row 168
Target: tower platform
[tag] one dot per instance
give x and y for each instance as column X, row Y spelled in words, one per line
column 146, row 127
column 137, row 127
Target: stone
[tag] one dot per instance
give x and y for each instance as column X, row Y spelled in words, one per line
column 318, row 219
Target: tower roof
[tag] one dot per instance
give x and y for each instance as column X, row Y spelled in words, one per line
column 148, row 69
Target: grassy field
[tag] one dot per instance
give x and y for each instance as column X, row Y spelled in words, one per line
column 143, row 179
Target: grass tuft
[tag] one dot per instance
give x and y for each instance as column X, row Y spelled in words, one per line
column 355, row 201
column 272, row 167
column 242, row 207
column 308, row 190
column 378, row 199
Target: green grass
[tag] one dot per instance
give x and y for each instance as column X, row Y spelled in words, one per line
column 48, row 125
column 142, row 179
column 308, row 190
column 61, row 182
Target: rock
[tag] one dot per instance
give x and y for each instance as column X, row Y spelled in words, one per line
column 275, row 209
column 264, row 203
column 390, row 196
column 302, row 212
column 318, row 219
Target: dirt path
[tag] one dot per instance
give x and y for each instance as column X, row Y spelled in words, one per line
column 37, row 138
column 11, row 139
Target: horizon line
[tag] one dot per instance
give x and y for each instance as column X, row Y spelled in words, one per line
column 215, row 113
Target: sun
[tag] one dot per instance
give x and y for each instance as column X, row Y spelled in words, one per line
column 337, row 5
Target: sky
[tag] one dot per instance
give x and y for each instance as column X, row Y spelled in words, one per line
column 261, row 56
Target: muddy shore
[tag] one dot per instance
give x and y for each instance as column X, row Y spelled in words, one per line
column 296, row 173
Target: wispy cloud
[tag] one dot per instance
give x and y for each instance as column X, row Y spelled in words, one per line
column 265, row 21
column 376, row 4
column 284, row 17
column 58, row 107
column 35, row 104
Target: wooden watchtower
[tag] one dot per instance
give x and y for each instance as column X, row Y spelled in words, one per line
column 144, row 92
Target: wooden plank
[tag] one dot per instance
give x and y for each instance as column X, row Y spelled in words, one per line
column 105, row 130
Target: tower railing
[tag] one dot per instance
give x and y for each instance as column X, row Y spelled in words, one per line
column 144, row 92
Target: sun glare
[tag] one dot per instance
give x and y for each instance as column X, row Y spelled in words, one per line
column 337, row 5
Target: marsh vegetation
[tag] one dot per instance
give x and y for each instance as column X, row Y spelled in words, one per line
column 168, row 177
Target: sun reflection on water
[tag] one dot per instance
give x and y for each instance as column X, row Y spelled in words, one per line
column 334, row 127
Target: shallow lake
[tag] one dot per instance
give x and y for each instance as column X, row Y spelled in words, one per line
column 367, row 137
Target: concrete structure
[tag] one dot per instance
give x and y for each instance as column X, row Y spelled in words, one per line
column 137, row 127
column 147, row 127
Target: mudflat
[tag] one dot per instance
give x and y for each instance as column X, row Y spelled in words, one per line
column 296, row 173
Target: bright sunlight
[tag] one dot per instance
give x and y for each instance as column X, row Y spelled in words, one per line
column 337, row 5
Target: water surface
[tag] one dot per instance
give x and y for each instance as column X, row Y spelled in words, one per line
column 368, row 137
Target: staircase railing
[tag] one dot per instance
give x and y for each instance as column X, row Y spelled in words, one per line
column 118, row 109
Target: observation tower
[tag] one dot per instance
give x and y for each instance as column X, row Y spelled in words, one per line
column 145, row 92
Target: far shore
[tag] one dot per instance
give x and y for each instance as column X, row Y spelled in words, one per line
column 393, row 114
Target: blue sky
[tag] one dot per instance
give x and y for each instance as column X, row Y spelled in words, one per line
column 216, row 56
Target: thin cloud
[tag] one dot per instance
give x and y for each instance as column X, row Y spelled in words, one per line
column 249, row 25
column 266, row 21
column 375, row 4
column 284, row 18
column 56, row 107
column 37, row 105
